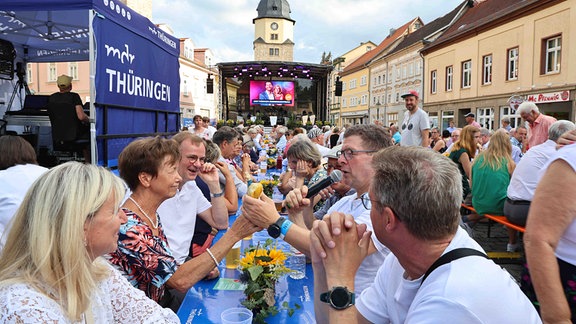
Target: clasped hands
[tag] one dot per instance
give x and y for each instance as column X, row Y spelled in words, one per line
column 338, row 244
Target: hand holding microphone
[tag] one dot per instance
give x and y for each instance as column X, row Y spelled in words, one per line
column 313, row 190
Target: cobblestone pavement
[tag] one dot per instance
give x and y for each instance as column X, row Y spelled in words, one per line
column 497, row 243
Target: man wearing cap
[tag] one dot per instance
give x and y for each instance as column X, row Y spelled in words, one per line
column 317, row 137
column 415, row 128
column 471, row 120
column 66, row 96
column 61, row 102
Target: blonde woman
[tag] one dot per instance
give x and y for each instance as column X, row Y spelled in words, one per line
column 51, row 268
column 491, row 173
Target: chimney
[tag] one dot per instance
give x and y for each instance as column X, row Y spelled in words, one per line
column 392, row 30
column 470, row 4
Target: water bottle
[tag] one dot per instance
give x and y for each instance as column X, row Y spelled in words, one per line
column 297, row 263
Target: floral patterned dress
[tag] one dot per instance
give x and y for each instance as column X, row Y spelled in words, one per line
column 143, row 258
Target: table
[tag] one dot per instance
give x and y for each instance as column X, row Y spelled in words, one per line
column 204, row 304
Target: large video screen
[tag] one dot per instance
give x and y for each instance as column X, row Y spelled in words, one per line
column 272, row 93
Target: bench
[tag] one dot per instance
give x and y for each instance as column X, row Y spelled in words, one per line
column 498, row 219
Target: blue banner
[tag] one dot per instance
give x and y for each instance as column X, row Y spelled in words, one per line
column 132, row 72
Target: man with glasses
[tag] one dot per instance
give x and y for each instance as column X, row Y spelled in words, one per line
column 415, row 211
column 355, row 161
column 230, row 143
column 415, row 127
column 454, row 137
column 179, row 212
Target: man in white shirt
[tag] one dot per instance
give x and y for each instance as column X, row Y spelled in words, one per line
column 178, row 214
column 419, row 228
column 355, row 161
column 525, row 177
column 415, row 128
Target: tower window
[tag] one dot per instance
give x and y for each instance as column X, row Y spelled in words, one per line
column 274, row 36
column 274, row 52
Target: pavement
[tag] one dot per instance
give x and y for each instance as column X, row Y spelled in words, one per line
column 495, row 247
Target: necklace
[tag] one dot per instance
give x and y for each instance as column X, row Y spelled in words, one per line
column 154, row 225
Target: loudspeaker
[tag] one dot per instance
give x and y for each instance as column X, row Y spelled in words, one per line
column 209, row 86
column 338, row 90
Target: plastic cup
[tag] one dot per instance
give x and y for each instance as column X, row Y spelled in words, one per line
column 233, row 256
column 297, row 263
column 236, row 316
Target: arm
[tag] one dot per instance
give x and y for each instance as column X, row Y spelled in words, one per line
column 262, row 212
column 439, row 145
column 217, row 215
column 286, row 183
column 552, row 210
column 425, row 137
column 197, row 268
column 230, row 195
column 81, row 115
column 339, row 262
column 466, row 165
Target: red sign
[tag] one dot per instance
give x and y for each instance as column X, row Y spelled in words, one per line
column 549, row 97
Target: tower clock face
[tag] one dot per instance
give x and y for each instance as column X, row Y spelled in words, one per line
column 274, row 26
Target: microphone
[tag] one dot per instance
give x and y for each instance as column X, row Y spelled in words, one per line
column 335, row 176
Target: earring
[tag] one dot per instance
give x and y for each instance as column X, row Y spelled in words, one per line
column 85, row 242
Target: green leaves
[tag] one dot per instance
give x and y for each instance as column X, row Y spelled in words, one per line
column 255, row 272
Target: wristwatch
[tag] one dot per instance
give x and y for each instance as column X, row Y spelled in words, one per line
column 275, row 229
column 338, row 297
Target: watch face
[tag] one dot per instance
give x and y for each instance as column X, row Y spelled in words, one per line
column 274, row 26
column 339, row 298
column 274, row 230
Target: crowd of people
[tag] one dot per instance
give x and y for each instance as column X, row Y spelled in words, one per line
column 388, row 243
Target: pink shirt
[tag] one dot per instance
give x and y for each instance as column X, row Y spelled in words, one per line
column 538, row 132
column 475, row 124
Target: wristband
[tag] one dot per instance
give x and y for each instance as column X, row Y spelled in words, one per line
column 212, row 256
column 285, row 227
column 220, row 194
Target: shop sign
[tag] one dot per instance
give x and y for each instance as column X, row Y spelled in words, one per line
column 514, row 102
column 549, row 97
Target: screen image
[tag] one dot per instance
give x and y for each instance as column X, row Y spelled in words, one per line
column 272, row 93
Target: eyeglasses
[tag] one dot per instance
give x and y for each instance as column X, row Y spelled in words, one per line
column 455, row 136
column 328, row 166
column 349, row 153
column 193, row 158
column 367, row 203
column 409, row 126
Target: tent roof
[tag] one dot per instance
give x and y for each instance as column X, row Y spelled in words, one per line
column 58, row 30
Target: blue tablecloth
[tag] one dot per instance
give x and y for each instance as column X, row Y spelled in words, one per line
column 204, row 304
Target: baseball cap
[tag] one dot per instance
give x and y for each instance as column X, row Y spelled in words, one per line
column 333, row 151
column 314, row 132
column 470, row 115
column 64, row 81
column 413, row 93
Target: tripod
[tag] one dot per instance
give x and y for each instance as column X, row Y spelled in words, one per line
column 18, row 87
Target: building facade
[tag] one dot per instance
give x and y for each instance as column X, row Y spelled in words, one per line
column 498, row 50
column 340, row 63
column 356, row 78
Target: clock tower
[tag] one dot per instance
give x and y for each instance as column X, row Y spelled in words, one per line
column 273, row 32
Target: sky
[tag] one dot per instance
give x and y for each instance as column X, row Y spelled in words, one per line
column 335, row 26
